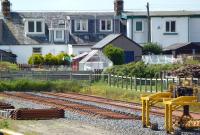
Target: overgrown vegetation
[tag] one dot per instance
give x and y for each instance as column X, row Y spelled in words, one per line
column 152, row 48
column 4, row 66
column 4, row 124
column 140, row 69
column 115, row 54
column 39, row 85
column 50, row 59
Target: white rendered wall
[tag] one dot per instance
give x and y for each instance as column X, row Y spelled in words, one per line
column 129, row 28
column 158, row 30
column 23, row 52
column 194, row 30
column 76, row 50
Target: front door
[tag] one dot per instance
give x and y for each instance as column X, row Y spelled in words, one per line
column 129, row 56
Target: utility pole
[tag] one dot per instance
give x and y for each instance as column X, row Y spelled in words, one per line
column 149, row 23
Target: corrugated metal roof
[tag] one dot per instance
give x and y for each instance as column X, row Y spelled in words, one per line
column 81, row 55
column 92, row 53
column 105, row 41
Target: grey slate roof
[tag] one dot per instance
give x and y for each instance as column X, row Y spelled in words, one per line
column 164, row 13
column 179, row 45
column 13, row 30
column 105, row 41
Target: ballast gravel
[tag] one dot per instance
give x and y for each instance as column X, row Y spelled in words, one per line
column 117, row 127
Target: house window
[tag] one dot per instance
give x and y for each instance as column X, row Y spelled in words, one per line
column 34, row 27
column 139, row 26
column 81, row 25
column 31, row 26
column 59, row 35
column 105, row 25
column 37, row 50
column 171, row 26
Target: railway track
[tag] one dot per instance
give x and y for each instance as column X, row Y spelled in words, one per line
column 72, row 106
column 128, row 105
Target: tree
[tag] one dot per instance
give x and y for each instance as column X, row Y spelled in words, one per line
column 36, row 59
column 50, row 59
column 115, row 54
column 152, row 48
column 63, row 59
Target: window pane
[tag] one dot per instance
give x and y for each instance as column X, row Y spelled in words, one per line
column 138, row 26
column 37, row 50
column 167, row 26
column 59, row 34
column 109, row 25
column 39, row 26
column 173, row 26
column 30, row 26
column 78, row 25
column 103, row 25
column 84, row 25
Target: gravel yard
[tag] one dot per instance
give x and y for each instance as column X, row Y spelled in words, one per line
column 77, row 124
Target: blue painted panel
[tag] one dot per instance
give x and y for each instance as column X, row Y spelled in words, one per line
column 129, row 56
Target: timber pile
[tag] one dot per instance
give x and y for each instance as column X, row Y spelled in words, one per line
column 188, row 71
column 37, row 114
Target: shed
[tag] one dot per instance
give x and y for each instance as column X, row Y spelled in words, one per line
column 95, row 60
column 7, row 56
column 132, row 50
column 76, row 60
column 192, row 48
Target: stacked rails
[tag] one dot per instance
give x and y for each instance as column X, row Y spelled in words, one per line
column 6, row 106
column 37, row 114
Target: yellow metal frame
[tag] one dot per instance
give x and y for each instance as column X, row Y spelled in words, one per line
column 148, row 101
column 9, row 132
column 173, row 104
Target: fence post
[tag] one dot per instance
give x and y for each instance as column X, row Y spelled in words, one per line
column 131, row 82
column 70, row 76
column 151, row 84
column 109, row 79
column 156, row 84
column 117, row 81
column 122, row 81
column 140, row 84
column 161, row 83
column 46, row 76
column 126, row 82
column 167, row 83
column 135, row 83
column 145, row 85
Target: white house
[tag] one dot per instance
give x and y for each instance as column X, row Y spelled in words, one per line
column 166, row 27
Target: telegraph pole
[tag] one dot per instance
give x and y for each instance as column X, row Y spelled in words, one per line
column 149, row 23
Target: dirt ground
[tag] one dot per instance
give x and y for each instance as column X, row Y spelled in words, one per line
column 56, row 127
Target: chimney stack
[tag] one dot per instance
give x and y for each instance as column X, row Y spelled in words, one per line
column 118, row 7
column 5, row 8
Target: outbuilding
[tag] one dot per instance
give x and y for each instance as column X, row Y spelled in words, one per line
column 132, row 50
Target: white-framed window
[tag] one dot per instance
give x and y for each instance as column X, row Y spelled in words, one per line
column 170, row 26
column 58, row 35
column 106, row 25
column 34, row 26
column 37, row 50
column 81, row 25
column 139, row 26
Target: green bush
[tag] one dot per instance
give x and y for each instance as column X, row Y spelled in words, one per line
column 8, row 66
column 140, row 69
column 115, row 54
column 152, row 48
column 49, row 59
column 63, row 59
column 4, row 124
column 36, row 59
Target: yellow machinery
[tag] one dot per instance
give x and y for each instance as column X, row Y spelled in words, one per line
column 184, row 96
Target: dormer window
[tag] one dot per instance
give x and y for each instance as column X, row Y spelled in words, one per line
column 81, row 25
column 34, row 27
column 106, row 25
column 58, row 35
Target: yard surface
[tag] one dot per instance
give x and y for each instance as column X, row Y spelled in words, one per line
column 57, row 127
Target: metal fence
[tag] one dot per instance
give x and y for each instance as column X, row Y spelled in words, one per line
column 53, row 75
column 146, row 84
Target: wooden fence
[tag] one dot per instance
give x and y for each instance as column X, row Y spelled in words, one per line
column 145, row 84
